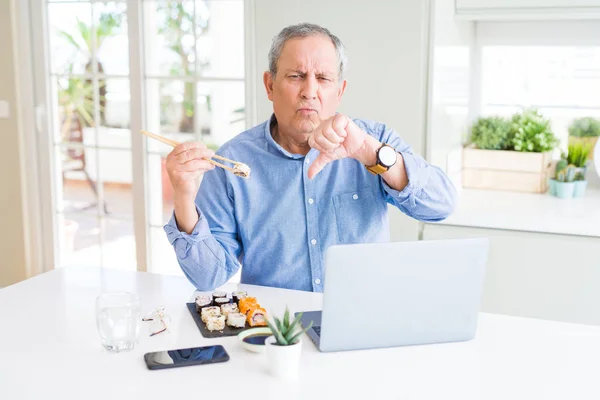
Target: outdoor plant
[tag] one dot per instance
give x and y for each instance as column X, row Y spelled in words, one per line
column 287, row 332
column 180, row 27
column 82, row 40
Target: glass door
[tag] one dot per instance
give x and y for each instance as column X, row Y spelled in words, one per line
column 111, row 68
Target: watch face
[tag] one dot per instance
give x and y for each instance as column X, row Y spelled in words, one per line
column 387, row 156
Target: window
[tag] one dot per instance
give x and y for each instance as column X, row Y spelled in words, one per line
column 552, row 66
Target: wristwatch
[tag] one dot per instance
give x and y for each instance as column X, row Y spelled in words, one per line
column 386, row 158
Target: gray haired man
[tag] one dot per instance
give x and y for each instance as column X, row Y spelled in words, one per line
column 318, row 178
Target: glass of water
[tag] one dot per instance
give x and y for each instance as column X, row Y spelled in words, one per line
column 118, row 318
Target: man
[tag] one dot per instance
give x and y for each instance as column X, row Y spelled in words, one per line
column 318, row 178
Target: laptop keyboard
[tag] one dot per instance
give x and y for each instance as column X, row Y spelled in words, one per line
column 317, row 330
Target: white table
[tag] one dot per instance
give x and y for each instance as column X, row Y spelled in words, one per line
column 49, row 349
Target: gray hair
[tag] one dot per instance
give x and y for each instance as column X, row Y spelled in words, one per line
column 305, row 30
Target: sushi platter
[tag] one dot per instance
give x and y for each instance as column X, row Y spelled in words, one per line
column 220, row 315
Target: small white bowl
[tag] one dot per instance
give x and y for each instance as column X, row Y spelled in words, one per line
column 255, row 348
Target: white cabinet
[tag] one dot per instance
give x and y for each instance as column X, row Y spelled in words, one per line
column 546, row 276
column 527, row 9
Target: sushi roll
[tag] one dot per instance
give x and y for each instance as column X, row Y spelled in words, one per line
column 229, row 308
column 219, row 301
column 238, row 295
column 215, row 323
column 247, row 303
column 257, row 317
column 210, row 312
column 236, row 320
column 202, row 302
column 218, row 295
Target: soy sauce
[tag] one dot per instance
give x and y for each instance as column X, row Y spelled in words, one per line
column 256, row 339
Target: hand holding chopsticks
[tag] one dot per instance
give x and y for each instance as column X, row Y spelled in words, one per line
column 239, row 169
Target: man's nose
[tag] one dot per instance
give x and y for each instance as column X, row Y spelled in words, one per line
column 310, row 88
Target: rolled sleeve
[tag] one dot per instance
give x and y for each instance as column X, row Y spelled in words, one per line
column 415, row 184
column 182, row 241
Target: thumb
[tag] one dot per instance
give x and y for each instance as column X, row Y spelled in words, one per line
column 317, row 166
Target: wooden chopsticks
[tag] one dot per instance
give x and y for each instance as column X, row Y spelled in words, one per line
column 239, row 169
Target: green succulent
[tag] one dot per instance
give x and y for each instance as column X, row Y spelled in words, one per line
column 491, row 133
column 567, row 174
column 561, row 165
column 287, row 333
column 585, row 127
column 531, row 132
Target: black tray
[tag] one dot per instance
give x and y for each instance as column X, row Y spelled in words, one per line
column 228, row 331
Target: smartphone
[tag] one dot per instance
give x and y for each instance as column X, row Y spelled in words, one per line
column 185, row 357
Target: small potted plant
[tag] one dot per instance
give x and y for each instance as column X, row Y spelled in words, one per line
column 586, row 130
column 580, row 185
column 284, row 347
column 578, row 156
column 565, row 180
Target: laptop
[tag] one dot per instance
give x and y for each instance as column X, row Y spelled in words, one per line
column 398, row 294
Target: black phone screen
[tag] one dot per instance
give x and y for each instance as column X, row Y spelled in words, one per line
column 185, row 357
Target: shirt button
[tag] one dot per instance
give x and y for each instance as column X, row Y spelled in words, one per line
column 313, row 242
column 355, row 196
column 310, row 201
column 307, row 161
column 318, row 281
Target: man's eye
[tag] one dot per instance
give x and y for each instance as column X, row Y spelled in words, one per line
column 323, row 78
column 294, row 76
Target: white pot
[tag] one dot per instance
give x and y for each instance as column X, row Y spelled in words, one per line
column 283, row 361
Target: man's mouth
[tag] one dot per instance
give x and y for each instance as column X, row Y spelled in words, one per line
column 306, row 111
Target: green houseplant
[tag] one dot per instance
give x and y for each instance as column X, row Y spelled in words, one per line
column 530, row 132
column 585, row 130
column 284, row 347
column 585, row 127
column 511, row 154
column 569, row 178
column 572, row 167
column 491, row 133
column 565, row 177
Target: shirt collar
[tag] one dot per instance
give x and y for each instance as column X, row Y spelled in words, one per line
column 274, row 146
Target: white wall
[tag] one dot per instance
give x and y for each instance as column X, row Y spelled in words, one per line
column 387, row 49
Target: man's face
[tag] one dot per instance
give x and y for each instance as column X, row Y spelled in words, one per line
column 306, row 88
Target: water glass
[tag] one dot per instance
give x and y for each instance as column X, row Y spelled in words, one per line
column 118, row 318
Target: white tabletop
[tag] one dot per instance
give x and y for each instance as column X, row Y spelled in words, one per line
column 49, row 349
column 528, row 212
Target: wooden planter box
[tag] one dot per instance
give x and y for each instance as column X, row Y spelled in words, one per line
column 506, row 170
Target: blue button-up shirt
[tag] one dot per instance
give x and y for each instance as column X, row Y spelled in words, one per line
column 279, row 223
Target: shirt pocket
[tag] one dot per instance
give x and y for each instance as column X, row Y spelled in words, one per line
column 360, row 216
